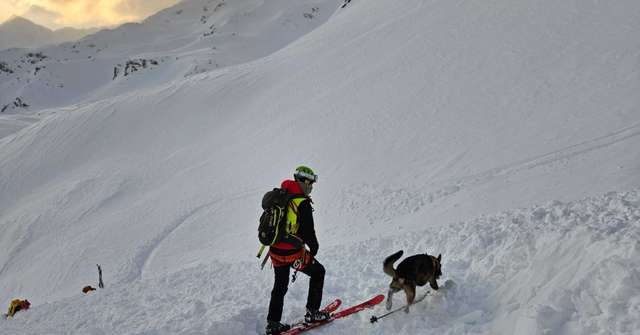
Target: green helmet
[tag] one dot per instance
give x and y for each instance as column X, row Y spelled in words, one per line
column 304, row 172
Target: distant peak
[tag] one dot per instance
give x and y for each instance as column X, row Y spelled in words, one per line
column 19, row 22
column 14, row 16
column 17, row 18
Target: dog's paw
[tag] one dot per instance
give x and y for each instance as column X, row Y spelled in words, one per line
column 389, row 303
column 406, row 309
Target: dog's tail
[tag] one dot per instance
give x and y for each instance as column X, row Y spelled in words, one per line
column 388, row 263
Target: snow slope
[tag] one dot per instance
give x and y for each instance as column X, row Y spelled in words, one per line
column 502, row 135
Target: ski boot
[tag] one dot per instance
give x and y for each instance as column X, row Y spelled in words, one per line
column 314, row 315
column 275, row 328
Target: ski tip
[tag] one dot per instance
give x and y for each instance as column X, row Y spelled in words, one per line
column 333, row 305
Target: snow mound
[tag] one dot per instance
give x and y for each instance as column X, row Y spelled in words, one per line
column 557, row 268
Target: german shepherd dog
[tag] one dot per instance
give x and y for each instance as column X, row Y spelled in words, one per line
column 416, row 270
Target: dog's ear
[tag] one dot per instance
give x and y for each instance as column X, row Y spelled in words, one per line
column 439, row 258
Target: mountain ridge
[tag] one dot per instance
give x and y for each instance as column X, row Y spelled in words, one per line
column 20, row 32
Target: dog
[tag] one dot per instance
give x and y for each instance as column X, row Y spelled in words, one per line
column 416, row 270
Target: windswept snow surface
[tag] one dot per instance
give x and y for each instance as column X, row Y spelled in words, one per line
column 501, row 134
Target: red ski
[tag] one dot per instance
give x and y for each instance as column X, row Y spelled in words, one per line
column 341, row 314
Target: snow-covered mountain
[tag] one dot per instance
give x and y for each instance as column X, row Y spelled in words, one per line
column 189, row 38
column 501, row 134
column 19, row 32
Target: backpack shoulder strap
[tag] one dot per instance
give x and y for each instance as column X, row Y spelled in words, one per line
column 293, row 205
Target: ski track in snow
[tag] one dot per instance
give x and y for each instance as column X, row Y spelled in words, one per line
column 552, row 157
column 384, row 204
column 487, row 259
column 12, row 123
column 146, row 252
column 564, row 154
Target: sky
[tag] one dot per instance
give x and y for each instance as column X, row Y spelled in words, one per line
column 56, row 14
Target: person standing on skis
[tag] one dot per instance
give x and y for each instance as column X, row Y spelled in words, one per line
column 292, row 253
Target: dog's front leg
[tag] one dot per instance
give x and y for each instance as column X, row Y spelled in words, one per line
column 389, row 298
column 433, row 283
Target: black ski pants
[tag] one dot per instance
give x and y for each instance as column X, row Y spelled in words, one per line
column 315, row 271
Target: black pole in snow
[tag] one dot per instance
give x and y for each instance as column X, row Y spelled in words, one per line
column 100, row 283
column 375, row 319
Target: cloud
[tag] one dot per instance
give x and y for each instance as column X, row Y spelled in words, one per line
column 82, row 13
column 43, row 16
column 143, row 8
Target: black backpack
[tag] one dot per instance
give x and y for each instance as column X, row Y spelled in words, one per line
column 274, row 216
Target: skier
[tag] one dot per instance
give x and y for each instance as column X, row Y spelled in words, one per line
column 289, row 254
